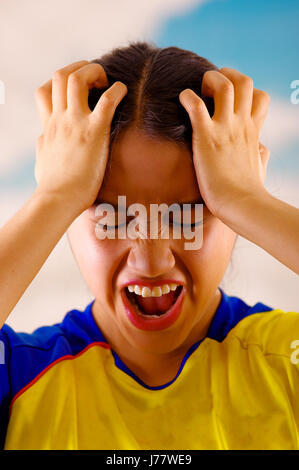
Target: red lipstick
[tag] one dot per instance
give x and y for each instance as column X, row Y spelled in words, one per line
column 155, row 323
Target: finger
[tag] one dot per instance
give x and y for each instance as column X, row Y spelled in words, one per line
column 260, row 105
column 243, row 88
column 79, row 83
column 264, row 155
column 105, row 108
column 196, row 108
column 43, row 98
column 216, row 85
column 59, row 85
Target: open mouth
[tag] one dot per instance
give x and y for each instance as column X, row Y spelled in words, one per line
column 153, row 307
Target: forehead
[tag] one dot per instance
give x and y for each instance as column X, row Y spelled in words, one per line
column 148, row 170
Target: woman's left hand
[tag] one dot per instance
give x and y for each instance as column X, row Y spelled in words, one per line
column 229, row 161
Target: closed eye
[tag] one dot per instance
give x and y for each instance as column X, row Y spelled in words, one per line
column 171, row 222
column 110, row 227
column 194, row 224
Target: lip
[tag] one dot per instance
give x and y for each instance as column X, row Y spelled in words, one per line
column 153, row 324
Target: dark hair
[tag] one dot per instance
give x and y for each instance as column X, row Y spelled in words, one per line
column 154, row 76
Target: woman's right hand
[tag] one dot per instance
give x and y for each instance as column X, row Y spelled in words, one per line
column 72, row 152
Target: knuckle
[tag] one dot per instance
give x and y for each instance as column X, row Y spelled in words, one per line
column 74, row 79
column 96, row 65
column 59, row 75
column 246, row 81
column 209, row 76
column 197, row 106
column 210, row 73
column 67, row 129
column 107, row 99
column 225, row 70
column 227, row 86
column 219, row 142
column 85, row 136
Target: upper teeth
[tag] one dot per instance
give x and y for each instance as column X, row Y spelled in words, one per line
column 157, row 291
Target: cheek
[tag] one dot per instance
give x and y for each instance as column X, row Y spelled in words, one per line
column 98, row 260
column 85, row 247
column 220, row 241
column 210, row 262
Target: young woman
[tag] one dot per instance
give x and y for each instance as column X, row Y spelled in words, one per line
column 162, row 358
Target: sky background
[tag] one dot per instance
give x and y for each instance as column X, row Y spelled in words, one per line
column 259, row 38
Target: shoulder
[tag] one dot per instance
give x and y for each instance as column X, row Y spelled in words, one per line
column 230, row 312
column 27, row 355
column 274, row 332
column 71, row 334
column 272, row 329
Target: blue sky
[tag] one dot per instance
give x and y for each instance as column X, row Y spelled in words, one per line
column 258, row 37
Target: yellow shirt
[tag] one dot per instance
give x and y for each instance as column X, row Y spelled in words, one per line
column 236, row 389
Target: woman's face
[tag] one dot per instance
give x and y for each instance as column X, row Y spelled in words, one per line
column 151, row 171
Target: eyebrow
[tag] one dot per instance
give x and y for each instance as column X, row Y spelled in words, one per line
column 122, row 208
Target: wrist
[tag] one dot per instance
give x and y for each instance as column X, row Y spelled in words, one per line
column 65, row 208
column 241, row 205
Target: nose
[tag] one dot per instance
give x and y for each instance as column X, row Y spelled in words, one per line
column 151, row 258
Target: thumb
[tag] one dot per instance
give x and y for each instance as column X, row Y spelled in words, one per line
column 264, row 153
column 264, row 159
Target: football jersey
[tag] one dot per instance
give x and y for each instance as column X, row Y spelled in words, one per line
column 64, row 387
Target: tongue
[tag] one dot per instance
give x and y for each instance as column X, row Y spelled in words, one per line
column 155, row 305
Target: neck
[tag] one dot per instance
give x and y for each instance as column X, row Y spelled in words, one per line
column 153, row 369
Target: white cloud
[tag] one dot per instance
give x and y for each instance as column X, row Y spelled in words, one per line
column 281, row 126
column 38, row 38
